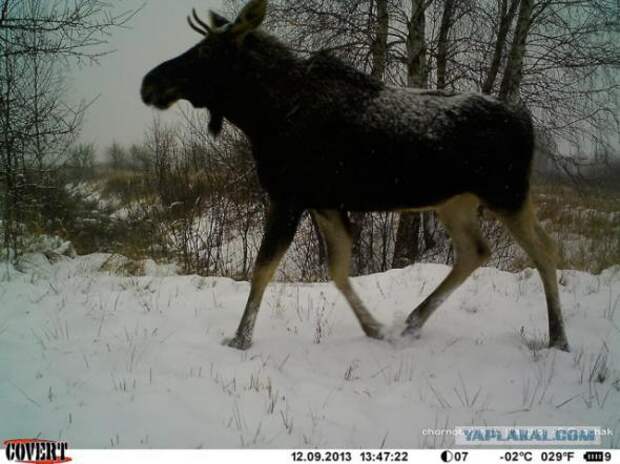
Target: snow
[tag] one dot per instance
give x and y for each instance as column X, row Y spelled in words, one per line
column 104, row 360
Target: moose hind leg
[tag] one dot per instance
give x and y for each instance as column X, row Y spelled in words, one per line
column 335, row 229
column 280, row 229
column 529, row 234
column 459, row 215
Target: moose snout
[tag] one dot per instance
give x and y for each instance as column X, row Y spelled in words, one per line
column 158, row 93
column 149, row 89
column 148, row 93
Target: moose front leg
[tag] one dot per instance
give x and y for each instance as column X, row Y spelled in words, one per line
column 280, row 229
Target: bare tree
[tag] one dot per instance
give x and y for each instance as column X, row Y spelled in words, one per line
column 78, row 29
column 513, row 75
column 380, row 42
column 117, row 156
column 443, row 43
column 38, row 39
column 81, row 159
column 506, row 13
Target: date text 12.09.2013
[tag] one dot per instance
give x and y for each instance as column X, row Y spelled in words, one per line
column 347, row 456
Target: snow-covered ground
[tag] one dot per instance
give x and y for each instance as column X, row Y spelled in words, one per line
column 103, row 360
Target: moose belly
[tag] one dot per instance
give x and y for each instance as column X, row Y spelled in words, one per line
column 369, row 177
column 363, row 182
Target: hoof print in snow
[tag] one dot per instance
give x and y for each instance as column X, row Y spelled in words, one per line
column 471, row 309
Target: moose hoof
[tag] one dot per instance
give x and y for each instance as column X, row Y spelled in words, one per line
column 561, row 345
column 238, row 343
column 413, row 329
column 412, row 332
column 374, row 331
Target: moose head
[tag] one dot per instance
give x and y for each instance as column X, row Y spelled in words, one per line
column 203, row 74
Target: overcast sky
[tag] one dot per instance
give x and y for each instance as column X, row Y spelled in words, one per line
column 158, row 33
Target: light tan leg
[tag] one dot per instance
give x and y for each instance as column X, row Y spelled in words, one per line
column 459, row 215
column 527, row 231
column 334, row 227
column 280, row 230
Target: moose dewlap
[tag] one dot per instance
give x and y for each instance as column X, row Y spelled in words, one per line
column 329, row 139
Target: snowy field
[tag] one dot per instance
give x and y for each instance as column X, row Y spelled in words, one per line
column 106, row 361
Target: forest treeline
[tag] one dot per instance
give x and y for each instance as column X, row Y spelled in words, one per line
column 184, row 196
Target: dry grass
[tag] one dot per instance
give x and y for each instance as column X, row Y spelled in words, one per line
column 124, row 185
column 585, row 224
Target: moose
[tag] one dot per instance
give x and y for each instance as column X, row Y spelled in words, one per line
column 329, row 139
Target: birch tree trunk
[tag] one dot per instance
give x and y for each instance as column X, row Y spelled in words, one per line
column 443, row 46
column 379, row 46
column 513, row 74
column 506, row 17
column 407, row 244
column 417, row 68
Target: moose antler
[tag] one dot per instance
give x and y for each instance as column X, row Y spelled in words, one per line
column 204, row 28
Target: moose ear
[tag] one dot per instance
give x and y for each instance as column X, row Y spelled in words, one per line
column 218, row 21
column 250, row 18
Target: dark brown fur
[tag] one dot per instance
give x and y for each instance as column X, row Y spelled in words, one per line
column 330, row 139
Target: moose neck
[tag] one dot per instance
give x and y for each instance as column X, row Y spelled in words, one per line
column 268, row 76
